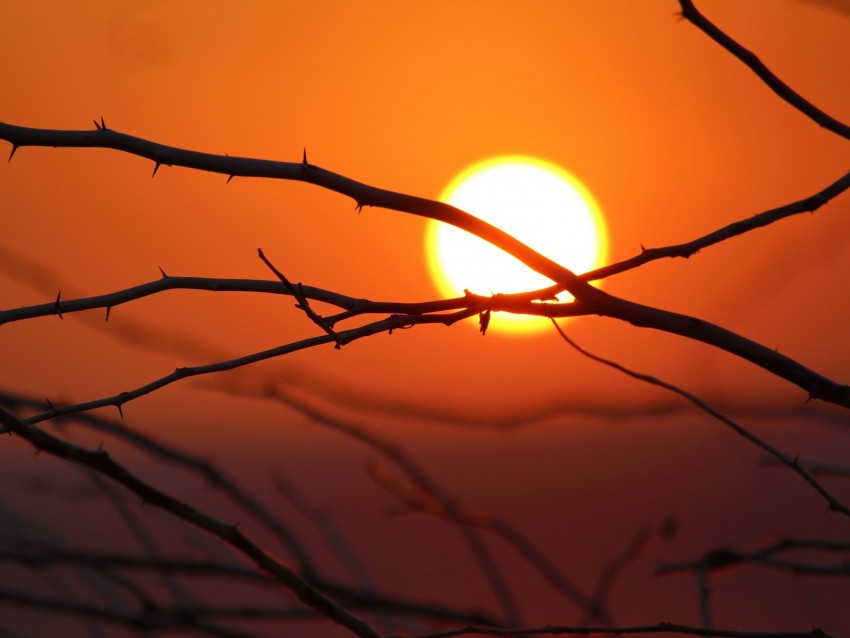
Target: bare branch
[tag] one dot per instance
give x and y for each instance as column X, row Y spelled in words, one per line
column 297, row 291
column 692, row 14
column 101, row 462
column 832, row 503
column 807, row 205
column 395, row 322
column 362, row 194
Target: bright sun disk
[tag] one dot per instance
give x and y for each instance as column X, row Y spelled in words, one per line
column 539, row 203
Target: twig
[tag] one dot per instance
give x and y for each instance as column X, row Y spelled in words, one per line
column 833, row 503
column 807, row 205
column 395, row 322
column 726, row 558
column 297, row 291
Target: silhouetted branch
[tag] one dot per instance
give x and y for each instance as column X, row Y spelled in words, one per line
column 726, row 557
column 100, row 461
column 818, row 468
column 395, row 322
column 832, row 503
column 692, row 14
column 157, row 619
column 589, row 300
column 363, row 194
column 807, row 205
column 208, row 471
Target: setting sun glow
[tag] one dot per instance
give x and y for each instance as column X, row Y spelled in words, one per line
column 539, row 203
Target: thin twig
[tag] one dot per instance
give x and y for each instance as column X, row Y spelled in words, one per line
column 395, row 322
column 833, row 503
column 297, row 291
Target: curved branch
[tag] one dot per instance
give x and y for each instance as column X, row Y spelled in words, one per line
column 395, row 322
column 692, row 14
column 362, row 194
column 832, row 502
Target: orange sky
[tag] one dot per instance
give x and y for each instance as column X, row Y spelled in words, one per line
column 672, row 135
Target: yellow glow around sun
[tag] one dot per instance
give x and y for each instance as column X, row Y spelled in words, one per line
column 537, row 202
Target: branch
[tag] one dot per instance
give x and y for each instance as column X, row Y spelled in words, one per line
column 205, row 469
column 806, row 205
column 590, row 300
column 362, row 194
column 690, row 13
column 303, row 304
column 832, row 503
column 395, row 322
column 727, row 557
column 100, row 461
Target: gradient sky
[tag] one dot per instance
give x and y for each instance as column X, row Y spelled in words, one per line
column 673, row 136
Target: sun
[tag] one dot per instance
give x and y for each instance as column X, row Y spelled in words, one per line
column 539, row 203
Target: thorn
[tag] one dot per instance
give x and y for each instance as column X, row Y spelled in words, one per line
column 304, row 159
column 120, row 411
column 164, row 274
column 642, row 248
column 359, row 207
column 96, row 125
column 57, row 309
column 230, row 177
column 102, row 123
column 12, row 154
column 50, row 403
column 108, row 310
column 155, row 169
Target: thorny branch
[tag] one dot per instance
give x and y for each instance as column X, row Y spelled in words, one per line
column 589, row 300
